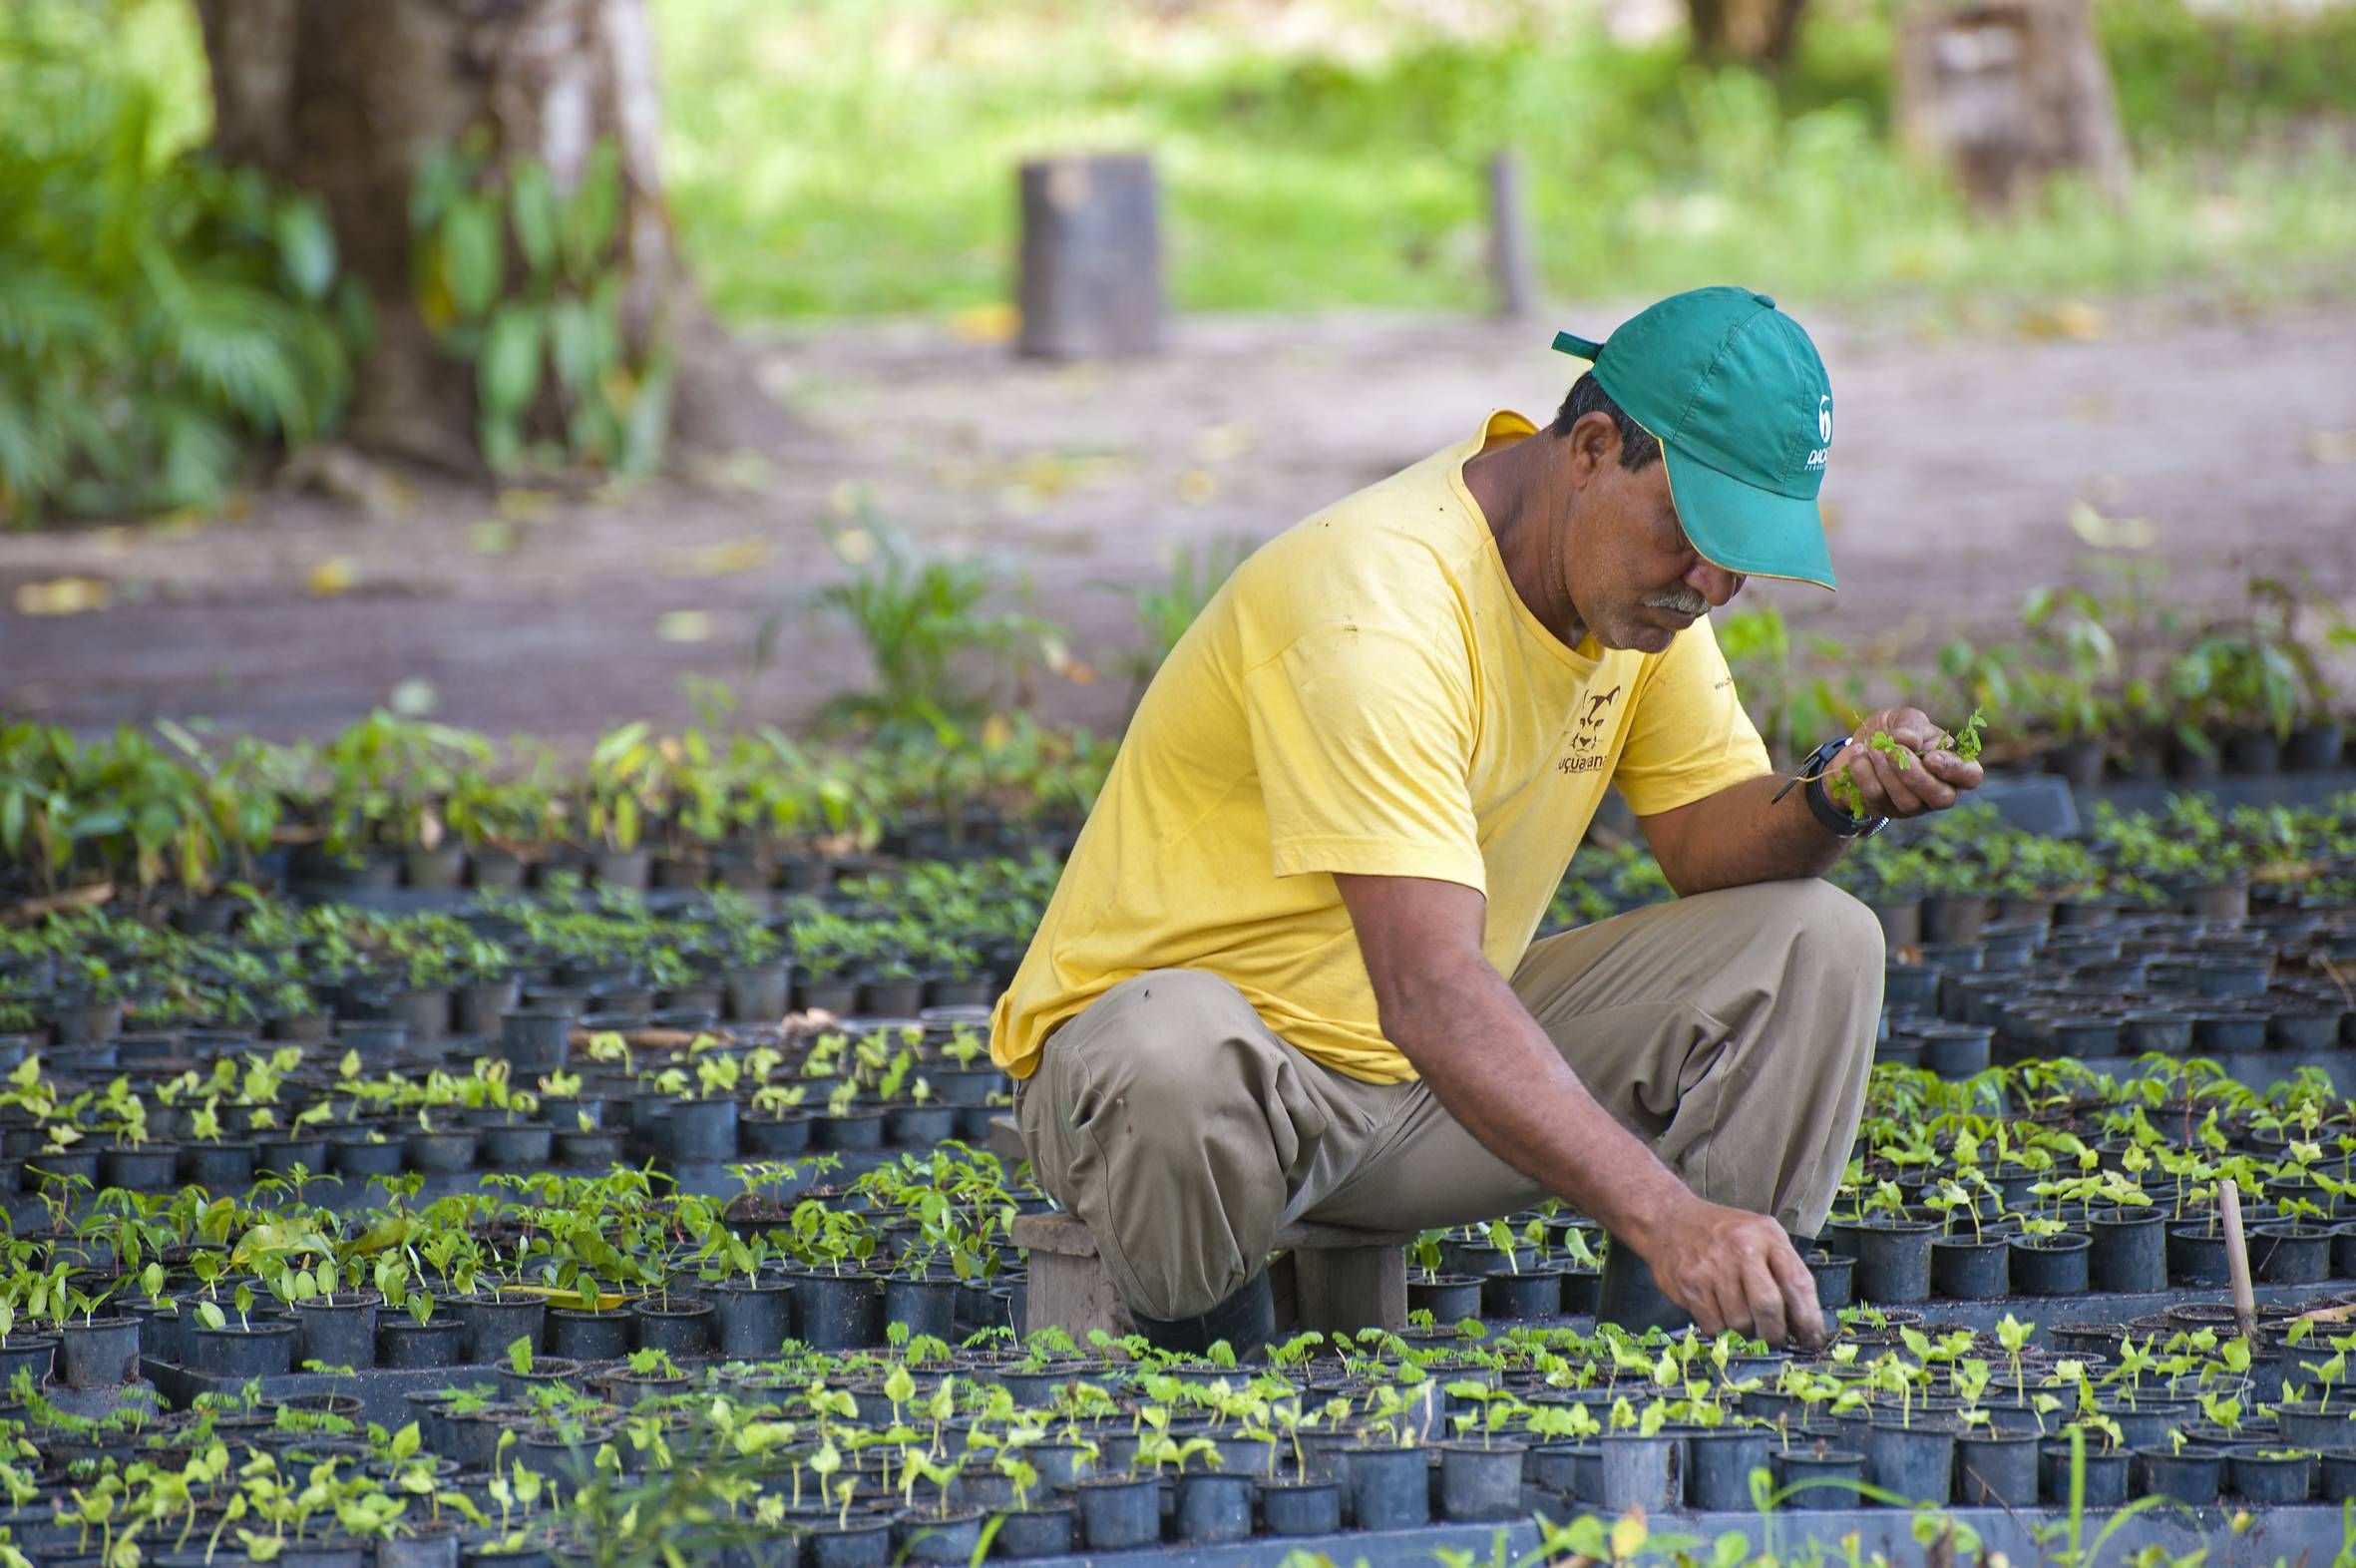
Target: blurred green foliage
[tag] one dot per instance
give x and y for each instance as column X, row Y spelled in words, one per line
column 841, row 156
column 160, row 316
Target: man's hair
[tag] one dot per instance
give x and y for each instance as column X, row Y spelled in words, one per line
column 1637, row 449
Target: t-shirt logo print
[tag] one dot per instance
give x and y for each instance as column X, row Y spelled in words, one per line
column 1586, row 755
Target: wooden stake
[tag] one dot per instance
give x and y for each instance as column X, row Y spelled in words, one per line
column 2246, row 1301
column 1513, row 264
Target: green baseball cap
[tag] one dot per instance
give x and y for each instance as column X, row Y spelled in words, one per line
column 1738, row 398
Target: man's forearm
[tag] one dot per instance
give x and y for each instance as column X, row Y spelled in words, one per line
column 1743, row 834
column 1496, row 1072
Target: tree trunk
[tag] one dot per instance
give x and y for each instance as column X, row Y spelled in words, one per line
column 2008, row 93
column 346, row 97
column 1758, row 32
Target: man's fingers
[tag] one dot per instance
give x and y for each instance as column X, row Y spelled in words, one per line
column 1803, row 1317
column 1896, row 788
column 1768, row 1319
column 1913, row 780
column 1856, row 763
column 1952, row 770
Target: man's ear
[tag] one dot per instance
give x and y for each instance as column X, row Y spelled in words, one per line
column 1594, row 442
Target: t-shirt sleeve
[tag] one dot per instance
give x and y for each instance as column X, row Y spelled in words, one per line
column 1363, row 741
column 1688, row 736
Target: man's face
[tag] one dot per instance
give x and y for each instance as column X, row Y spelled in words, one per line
column 1635, row 578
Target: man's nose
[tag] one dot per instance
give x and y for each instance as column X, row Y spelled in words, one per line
column 1714, row 583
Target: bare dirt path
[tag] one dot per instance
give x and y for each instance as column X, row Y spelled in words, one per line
column 1957, row 462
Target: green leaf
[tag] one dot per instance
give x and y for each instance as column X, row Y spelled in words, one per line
column 307, row 246
column 509, row 373
column 594, row 214
column 473, row 254
column 576, row 345
column 533, row 207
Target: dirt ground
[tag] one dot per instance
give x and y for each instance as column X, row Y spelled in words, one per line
column 1958, row 460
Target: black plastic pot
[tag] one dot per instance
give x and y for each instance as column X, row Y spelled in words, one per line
column 1996, row 1468
column 151, row 1168
column 101, row 1353
column 1955, row 1051
column 1480, row 1481
column 337, row 1331
column 675, row 1325
column 2265, row 1473
column 838, row 1312
column 1719, row 1463
column 1642, row 1472
column 703, row 1132
column 403, row 1343
column 218, row 1167
column 260, row 1349
column 443, row 1151
column 1049, row 1530
column 516, row 1145
column 1917, row 1462
column 1389, row 1487
column 2049, row 1265
column 1893, row 1262
column 1213, row 1508
column 927, row 1538
column 862, row 1543
column 2195, row 1256
column 750, row 1322
column 1833, row 1275
column 2291, row 1254
column 757, row 993
column 919, row 1126
column 583, row 1335
column 1818, row 1478
column 1119, row 1513
column 536, row 1040
column 2190, row 1475
column 423, row 1550
column 1450, row 1297
column 1533, row 1292
column 2128, row 1249
column 2105, row 1475
column 2336, row 1475
column 773, row 1137
column 927, row 1306
column 1290, row 1508
column 356, row 1158
column 1631, row 1298
column 1963, row 1270
column 494, row 1322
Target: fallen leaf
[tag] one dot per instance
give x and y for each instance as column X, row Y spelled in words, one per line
column 414, row 698
column 684, row 625
column 63, row 597
column 2331, row 446
column 2069, row 318
column 334, row 576
column 2109, row 533
column 493, row 538
column 526, row 506
column 987, row 325
column 1218, row 443
column 749, row 553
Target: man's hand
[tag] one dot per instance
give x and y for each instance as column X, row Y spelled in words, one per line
column 1909, row 774
column 1733, row 1270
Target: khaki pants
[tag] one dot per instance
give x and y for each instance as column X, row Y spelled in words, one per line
column 1733, row 1030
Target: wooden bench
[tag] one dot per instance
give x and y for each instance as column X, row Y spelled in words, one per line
column 1342, row 1279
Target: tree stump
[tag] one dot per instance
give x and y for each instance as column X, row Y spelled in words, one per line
column 1092, row 266
column 1513, row 264
column 2008, row 93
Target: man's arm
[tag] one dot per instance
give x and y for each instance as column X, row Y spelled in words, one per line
column 1743, row 834
column 1495, row 1069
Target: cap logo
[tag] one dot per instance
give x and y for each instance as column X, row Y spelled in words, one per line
column 1823, row 432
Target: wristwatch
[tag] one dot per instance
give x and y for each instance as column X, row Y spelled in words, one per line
column 1835, row 818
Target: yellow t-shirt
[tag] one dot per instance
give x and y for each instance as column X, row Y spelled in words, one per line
column 1366, row 694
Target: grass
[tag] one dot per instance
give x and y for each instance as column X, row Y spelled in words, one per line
column 850, row 156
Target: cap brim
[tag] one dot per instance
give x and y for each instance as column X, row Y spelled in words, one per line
column 1746, row 529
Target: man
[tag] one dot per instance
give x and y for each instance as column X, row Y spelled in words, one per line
column 1289, row 972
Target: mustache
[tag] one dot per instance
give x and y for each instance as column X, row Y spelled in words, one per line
column 1684, row 601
